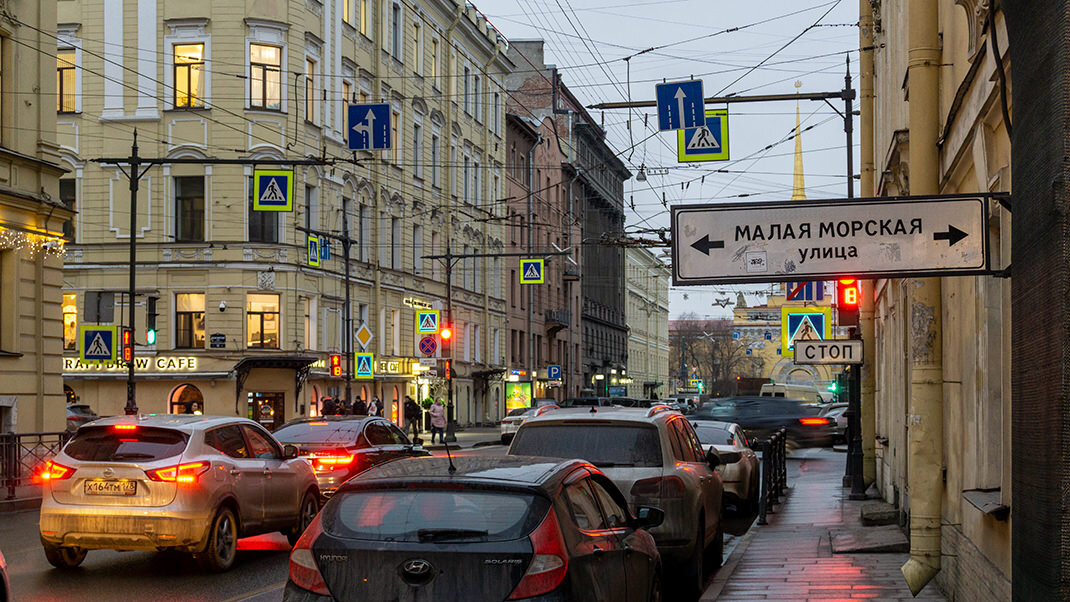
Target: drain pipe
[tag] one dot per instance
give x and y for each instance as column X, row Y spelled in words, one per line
column 925, row 438
column 868, row 419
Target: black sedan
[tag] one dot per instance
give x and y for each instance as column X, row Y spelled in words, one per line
column 486, row 528
column 340, row 447
column 760, row 417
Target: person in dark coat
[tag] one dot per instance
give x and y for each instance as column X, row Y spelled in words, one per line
column 328, row 407
column 359, row 408
column 412, row 415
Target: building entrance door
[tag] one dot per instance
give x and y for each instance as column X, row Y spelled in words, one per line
column 267, row 408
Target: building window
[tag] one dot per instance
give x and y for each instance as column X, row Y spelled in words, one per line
column 418, row 47
column 497, row 117
column 265, row 78
column 364, row 233
column 189, row 75
column 68, row 196
column 476, row 104
column 189, row 208
column 363, row 17
column 436, row 269
column 311, row 208
column 70, row 321
column 262, row 321
column 464, row 181
column 263, row 225
column 417, row 249
column 395, row 31
column 347, row 12
column 310, row 90
column 65, row 82
column 189, row 321
column 395, row 243
column 477, row 194
column 347, row 94
column 395, row 124
column 434, row 160
column 434, row 62
column 417, row 150
column 467, row 91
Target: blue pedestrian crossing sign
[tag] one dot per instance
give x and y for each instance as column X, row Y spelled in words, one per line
column 803, row 324
column 708, row 142
column 553, row 372
column 273, row 190
column 680, row 105
column 427, row 321
column 97, row 343
column 365, row 365
column 369, row 127
column 532, row 271
column 313, row 251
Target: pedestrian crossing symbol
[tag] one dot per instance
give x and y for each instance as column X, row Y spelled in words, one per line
column 97, row 343
column 427, row 321
column 274, row 190
column 313, row 251
column 803, row 324
column 532, row 271
column 365, row 365
column 708, row 142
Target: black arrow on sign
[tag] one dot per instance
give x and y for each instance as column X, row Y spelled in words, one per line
column 704, row 244
column 953, row 235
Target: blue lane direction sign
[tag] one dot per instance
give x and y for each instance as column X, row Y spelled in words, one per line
column 532, row 271
column 427, row 321
column 325, row 249
column 706, row 143
column 553, row 372
column 680, row 105
column 428, row 345
column 369, row 127
column 273, row 190
column 97, row 343
column 365, row 365
column 313, row 251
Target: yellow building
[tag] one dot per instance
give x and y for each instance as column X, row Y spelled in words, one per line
column 937, row 402
column 32, row 219
column 647, row 314
column 245, row 323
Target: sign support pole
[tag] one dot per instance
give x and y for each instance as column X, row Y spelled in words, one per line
column 854, row 425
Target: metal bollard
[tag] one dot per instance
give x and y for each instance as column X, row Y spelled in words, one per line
column 9, row 463
column 782, row 462
column 763, row 499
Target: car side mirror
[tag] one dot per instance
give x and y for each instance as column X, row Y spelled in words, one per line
column 713, row 459
column 289, row 452
column 648, row 517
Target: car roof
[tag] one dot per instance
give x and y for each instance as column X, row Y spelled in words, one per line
column 604, row 414
column 184, row 422
column 512, row 472
column 357, row 419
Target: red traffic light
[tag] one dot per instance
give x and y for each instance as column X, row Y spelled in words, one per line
column 128, row 345
column 848, row 294
column 336, row 364
column 445, row 333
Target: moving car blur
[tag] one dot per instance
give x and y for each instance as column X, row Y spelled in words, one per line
column 760, row 417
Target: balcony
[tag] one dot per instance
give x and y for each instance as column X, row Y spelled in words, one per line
column 556, row 319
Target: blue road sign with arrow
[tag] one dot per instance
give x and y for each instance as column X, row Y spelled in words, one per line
column 680, row 105
column 369, row 127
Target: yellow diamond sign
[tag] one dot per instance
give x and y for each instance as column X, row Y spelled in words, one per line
column 364, row 336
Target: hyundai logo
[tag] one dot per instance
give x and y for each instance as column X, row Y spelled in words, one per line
column 416, row 571
column 416, row 567
column 108, row 472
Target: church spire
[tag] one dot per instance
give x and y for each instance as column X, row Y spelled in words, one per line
column 799, row 187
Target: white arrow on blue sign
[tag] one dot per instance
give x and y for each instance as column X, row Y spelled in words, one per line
column 680, row 105
column 369, row 127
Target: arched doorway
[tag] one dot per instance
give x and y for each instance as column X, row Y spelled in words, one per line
column 185, row 399
column 314, row 400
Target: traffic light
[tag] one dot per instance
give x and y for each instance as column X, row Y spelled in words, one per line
column 449, row 370
column 128, row 345
column 848, row 294
column 150, row 321
column 336, row 365
column 446, row 334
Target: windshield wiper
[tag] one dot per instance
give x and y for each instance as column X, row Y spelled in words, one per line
column 440, row 534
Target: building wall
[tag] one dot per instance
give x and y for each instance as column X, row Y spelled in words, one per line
column 438, row 192
column 974, row 157
column 648, row 323
column 31, row 224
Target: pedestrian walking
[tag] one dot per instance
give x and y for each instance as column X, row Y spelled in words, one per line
column 412, row 415
column 328, row 407
column 376, row 407
column 359, row 408
column 438, row 421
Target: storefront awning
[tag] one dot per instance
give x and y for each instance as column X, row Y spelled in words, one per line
column 300, row 364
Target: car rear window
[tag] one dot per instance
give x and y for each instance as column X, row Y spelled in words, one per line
column 333, row 431
column 716, row 435
column 143, row 444
column 601, row 444
column 517, row 411
column 433, row 515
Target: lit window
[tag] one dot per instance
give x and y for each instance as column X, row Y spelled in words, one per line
column 363, row 16
column 70, row 321
column 189, row 321
column 347, row 12
column 262, row 321
column 434, row 62
column 65, row 93
column 265, row 77
column 189, row 75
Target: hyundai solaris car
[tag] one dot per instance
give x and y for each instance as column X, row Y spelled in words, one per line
column 340, row 447
column 183, row 482
column 654, row 457
column 484, row 529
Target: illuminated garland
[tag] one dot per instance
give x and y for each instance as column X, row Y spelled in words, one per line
column 31, row 243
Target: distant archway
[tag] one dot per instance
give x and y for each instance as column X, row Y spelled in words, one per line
column 185, row 399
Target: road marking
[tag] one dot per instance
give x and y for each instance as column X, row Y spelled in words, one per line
column 255, row 593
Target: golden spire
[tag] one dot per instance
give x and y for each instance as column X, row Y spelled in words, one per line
column 799, row 188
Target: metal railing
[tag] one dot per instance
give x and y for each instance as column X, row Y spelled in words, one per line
column 21, row 453
column 774, row 474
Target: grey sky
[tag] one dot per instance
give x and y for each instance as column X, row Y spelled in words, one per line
column 587, row 40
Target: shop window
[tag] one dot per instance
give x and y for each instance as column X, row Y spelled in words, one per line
column 262, row 321
column 70, row 321
column 189, row 321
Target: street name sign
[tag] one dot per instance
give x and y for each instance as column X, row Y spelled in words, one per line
column 708, row 142
column 369, row 126
column 273, row 190
column 822, row 240
column 842, row 351
column 680, row 105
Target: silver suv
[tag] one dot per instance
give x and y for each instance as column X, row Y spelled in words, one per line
column 184, row 482
column 654, row 458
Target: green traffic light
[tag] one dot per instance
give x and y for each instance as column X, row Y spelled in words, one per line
column 150, row 336
column 832, row 387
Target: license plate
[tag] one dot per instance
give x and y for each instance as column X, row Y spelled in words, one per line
column 101, row 487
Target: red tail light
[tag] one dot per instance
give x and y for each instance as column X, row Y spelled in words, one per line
column 183, row 474
column 813, row 421
column 124, row 427
column 51, row 472
column 332, row 462
column 549, row 564
column 303, row 570
column 661, row 487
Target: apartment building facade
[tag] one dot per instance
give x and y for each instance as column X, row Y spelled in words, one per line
column 647, row 314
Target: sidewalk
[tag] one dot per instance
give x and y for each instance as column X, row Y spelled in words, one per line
column 791, row 558
column 475, row 436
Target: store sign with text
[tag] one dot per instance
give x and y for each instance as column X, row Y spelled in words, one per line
column 164, row 363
